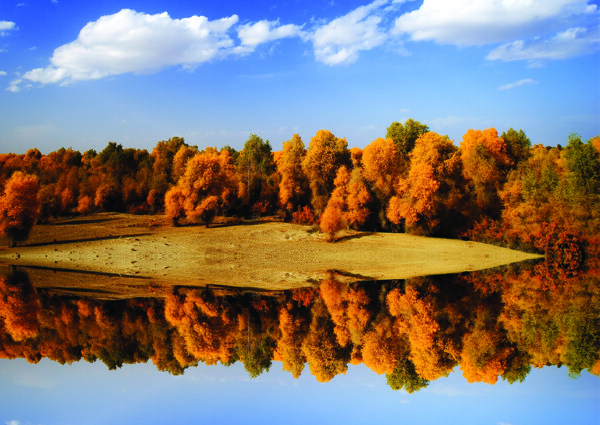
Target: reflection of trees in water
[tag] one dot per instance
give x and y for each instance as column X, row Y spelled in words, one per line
column 492, row 325
column 19, row 306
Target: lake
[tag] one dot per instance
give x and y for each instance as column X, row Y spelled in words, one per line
column 506, row 346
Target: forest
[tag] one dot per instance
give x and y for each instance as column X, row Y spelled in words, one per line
column 494, row 188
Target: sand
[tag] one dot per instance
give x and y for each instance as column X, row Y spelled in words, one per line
column 119, row 254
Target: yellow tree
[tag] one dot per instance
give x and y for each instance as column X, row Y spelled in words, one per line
column 293, row 187
column 349, row 310
column 358, row 200
column 484, row 356
column 333, row 219
column 381, row 166
column 415, row 317
column 180, row 160
column 382, row 348
column 485, row 164
column 19, row 207
column 19, row 306
column 326, row 154
column 325, row 357
column 204, row 186
column 289, row 344
column 348, row 205
column 429, row 200
column 174, row 204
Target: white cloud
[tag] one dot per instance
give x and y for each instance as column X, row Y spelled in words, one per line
column 6, row 26
column 564, row 45
column 15, row 85
column 3, row 74
column 524, row 82
column 340, row 41
column 251, row 35
column 13, row 422
column 478, row 22
column 129, row 41
column 134, row 42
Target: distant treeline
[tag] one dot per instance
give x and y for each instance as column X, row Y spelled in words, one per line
column 492, row 187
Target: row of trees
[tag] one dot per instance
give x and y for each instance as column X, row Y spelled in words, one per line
column 491, row 187
column 492, row 325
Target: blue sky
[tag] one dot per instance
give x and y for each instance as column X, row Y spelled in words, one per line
column 83, row 393
column 81, row 73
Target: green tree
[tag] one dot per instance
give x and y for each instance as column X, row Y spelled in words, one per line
column 162, row 168
column 257, row 357
column 583, row 162
column 256, row 163
column 405, row 377
column 405, row 135
column 518, row 145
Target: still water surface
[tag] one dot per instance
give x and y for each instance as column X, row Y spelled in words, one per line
column 506, row 346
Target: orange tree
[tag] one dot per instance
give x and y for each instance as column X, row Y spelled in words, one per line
column 326, row 154
column 430, row 199
column 294, row 191
column 19, row 207
column 204, row 187
column 485, row 164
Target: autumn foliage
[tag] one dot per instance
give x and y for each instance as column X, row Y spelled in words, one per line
column 428, row 201
column 19, row 207
column 294, row 191
column 493, row 187
column 204, row 187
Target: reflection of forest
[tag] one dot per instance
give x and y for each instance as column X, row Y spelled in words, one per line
column 492, row 324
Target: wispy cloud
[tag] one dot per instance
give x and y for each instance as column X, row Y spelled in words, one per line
column 564, row 45
column 6, row 27
column 3, row 74
column 254, row 34
column 13, row 422
column 524, row 82
column 339, row 41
